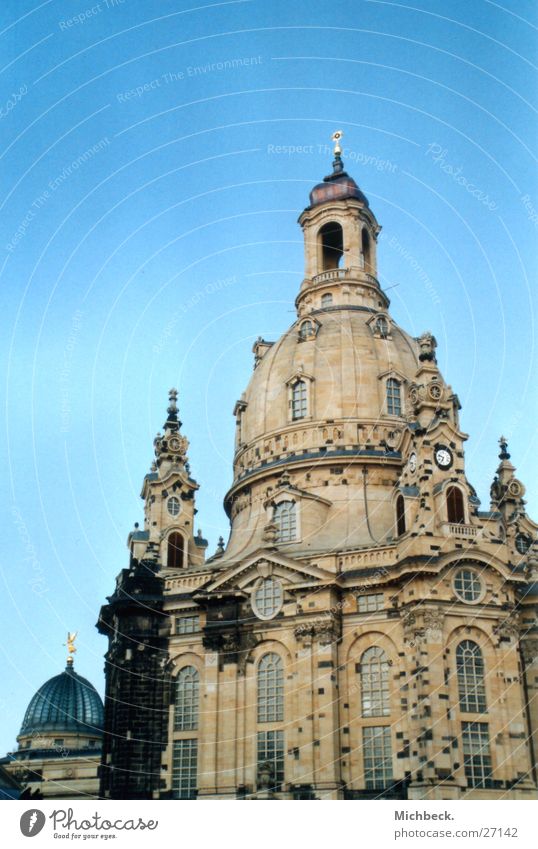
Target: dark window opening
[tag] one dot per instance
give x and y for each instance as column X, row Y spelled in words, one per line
column 400, row 515
column 366, row 251
column 454, row 506
column 331, row 244
column 176, row 548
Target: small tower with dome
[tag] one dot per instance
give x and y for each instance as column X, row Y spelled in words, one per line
column 59, row 743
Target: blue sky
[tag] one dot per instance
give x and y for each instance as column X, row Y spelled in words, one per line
column 150, row 186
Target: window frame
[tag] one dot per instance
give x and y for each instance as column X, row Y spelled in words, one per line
column 173, row 499
column 270, row 688
column 299, row 399
column 375, row 695
column 366, row 608
column 292, row 523
column 187, row 704
column 386, row 773
column 394, row 397
column 476, row 762
column 254, row 601
column 185, row 618
column 270, row 746
column 187, row 765
column 477, row 576
column 471, row 678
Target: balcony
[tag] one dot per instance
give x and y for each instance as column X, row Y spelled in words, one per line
column 460, row 531
column 333, row 274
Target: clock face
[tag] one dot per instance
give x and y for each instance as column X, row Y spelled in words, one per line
column 413, row 463
column 175, row 443
column 443, row 456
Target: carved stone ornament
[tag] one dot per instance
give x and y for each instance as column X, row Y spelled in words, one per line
column 325, row 632
column 428, row 344
column 270, row 532
column 529, row 651
column 508, row 628
column 433, row 622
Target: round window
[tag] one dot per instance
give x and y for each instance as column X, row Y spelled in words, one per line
column 267, row 598
column 173, row 506
column 523, row 543
column 468, row 586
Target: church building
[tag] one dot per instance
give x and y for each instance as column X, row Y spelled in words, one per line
column 368, row 631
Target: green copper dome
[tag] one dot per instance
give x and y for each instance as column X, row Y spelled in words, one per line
column 65, row 703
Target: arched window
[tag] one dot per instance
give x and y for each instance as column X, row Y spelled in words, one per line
column 394, row 398
column 187, row 699
column 176, row 550
column 271, row 688
column 471, row 677
column 454, row 505
column 298, row 400
column 330, row 246
column 374, row 672
column 400, row 515
column 285, row 518
column 326, row 300
column 306, row 330
column 382, row 326
column 366, row 251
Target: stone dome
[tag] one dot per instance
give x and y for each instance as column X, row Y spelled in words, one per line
column 344, row 362
column 67, row 703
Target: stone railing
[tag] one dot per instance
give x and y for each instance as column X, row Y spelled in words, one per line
column 368, row 557
column 188, row 581
column 333, row 274
column 460, row 531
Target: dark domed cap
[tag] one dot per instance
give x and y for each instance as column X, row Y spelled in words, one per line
column 65, row 703
column 337, row 186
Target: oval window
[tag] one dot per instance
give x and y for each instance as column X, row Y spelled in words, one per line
column 267, row 598
column 173, row 506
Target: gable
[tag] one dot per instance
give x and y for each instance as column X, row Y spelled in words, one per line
column 264, row 563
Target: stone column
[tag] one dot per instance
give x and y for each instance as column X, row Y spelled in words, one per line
column 207, row 746
column 429, row 743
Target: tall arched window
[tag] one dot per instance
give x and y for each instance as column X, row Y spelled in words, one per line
column 285, row 518
column 454, row 505
column 326, row 300
column 366, row 251
column 374, row 672
column 330, row 246
column 271, row 688
column 187, row 699
column 471, row 678
column 400, row 515
column 270, row 742
column 394, row 397
column 176, row 550
column 298, row 400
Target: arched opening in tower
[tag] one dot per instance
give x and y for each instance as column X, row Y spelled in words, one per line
column 176, row 550
column 330, row 246
column 366, row 251
column 454, row 505
column 400, row 516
